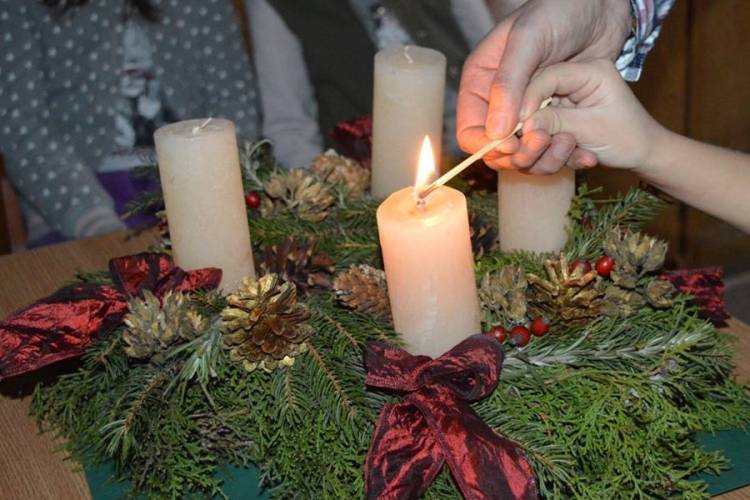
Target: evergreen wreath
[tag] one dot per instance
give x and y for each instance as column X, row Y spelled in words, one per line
column 604, row 405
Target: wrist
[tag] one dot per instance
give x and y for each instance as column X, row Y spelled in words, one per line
column 656, row 160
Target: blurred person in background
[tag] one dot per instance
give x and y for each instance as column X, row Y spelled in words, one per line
column 84, row 85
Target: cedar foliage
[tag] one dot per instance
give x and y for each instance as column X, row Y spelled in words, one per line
column 603, row 411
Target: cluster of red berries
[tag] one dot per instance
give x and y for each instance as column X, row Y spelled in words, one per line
column 520, row 335
column 252, row 199
column 603, row 266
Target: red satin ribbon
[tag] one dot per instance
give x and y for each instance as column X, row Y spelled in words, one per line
column 435, row 423
column 354, row 138
column 62, row 325
column 706, row 288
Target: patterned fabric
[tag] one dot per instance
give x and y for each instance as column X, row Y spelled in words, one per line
column 61, row 84
column 648, row 16
column 143, row 106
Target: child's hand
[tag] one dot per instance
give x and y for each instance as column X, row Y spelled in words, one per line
column 593, row 103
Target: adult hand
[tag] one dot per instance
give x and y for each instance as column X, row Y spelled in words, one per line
column 496, row 73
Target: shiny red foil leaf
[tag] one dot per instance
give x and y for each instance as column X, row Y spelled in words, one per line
column 64, row 324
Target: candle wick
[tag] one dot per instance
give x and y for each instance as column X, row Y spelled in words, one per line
column 419, row 201
column 406, row 54
column 202, row 125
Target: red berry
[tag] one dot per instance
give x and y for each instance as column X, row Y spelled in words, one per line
column 582, row 263
column 252, row 199
column 540, row 326
column 498, row 333
column 604, row 265
column 519, row 336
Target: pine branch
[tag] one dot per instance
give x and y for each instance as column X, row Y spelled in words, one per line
column 632, row 212
column 604, row 410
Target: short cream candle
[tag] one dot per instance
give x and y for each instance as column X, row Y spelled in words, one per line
column 533, row 210
column 429, row 267
column 408, row 102
column 199, row 168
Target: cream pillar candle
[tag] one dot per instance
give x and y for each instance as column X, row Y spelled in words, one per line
column 200, row 175
column 408, row 101
column 533, row 209
column 429, row 267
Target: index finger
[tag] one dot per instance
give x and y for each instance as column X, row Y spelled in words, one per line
column 520, row 61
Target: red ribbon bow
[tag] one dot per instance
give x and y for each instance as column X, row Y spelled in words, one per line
column 354, row 138
column 706, row 288
column 62, row 325
column 435, row 423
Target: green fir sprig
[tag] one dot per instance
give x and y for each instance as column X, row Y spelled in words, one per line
column 603, row 410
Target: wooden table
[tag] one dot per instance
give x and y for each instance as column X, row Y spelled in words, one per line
column 30, row 469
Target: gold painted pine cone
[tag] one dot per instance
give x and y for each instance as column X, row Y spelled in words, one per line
column 263, row 324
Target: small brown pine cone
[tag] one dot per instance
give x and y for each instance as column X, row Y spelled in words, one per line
column 335, row 169
column 363, row 288
column 295, row 261
column 483, row 236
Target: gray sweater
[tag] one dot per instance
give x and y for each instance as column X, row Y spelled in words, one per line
column 60, row 83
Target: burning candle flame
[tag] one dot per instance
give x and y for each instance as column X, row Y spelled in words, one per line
column 426, row 168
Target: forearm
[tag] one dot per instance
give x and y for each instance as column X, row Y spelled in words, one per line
column 40, row 163
column 712, row 179
column 290, row 114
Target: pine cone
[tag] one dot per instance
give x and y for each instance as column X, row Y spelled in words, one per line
column 296, row 192
column 635, row 256
column 620, row 302
column 483, row 236
column 503, row 293
column 575, row 298
column 296, row 262
column 153, row 327
column 363, row 288
column 263, row 324
column 340, row 170
column 659, row 293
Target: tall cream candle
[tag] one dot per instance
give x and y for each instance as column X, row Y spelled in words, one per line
column 429, row 267
column 199, row 168
column 533, row 209
column 408, row 101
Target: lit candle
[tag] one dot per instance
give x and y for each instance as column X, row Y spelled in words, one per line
column 408, row 101
column 429, row 265
column 200, row 175
column 533, row 210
